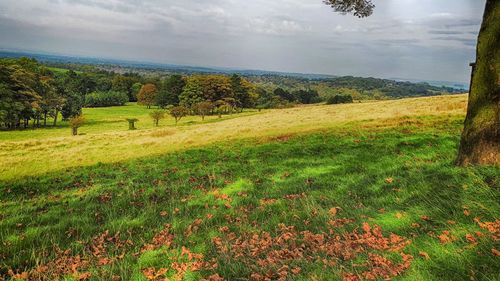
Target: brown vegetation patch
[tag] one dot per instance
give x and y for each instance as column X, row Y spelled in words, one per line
column 270, row 257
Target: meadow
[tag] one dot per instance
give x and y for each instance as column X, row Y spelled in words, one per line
column 105, row 137
column 343, row 192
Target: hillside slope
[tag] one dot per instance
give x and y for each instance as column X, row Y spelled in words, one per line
column 108, row 141
column 352, row 200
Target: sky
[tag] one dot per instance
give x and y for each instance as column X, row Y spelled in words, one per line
column 418, row 39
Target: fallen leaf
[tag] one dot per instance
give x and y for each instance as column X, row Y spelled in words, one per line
column 424, row 255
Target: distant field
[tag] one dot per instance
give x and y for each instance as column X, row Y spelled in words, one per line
column 107, row 139
column 345, row 192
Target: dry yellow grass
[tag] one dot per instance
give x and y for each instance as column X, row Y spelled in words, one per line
column 31, row 157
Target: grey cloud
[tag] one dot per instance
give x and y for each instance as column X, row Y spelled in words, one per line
column 403, row 40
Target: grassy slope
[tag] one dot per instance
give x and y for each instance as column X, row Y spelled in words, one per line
column 402, row 165
column 107, row 140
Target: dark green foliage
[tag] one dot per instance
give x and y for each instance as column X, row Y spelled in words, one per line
column 192, row 93
column 270, row 100
column 103, row 99
column 72, row 106
column 240, row 92
column 173, row 87
column 285, row 95
column 339, row 99
column 307, row 96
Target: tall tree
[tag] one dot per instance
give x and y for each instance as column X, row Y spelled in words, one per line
column 480, row 143
column 192, row 92
column 174, row 86
column 147, row 95
column 241, row 93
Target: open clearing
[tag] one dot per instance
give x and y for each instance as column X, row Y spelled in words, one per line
column 349, row 192
column 34, row 152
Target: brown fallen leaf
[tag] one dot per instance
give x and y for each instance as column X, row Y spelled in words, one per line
column 333, row 211
column 466, row 212
column 495, row 252
column 424, row 255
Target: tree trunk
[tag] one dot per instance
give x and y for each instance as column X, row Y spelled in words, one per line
column 55, row 117
column 45, row 119
column 480, row 142
column 74, row 130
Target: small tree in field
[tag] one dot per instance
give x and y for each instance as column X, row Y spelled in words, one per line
column 178, row 112
column 157, row 115
column 203, row 109
column 147, row 95
column 75, row 123
column 221, row 107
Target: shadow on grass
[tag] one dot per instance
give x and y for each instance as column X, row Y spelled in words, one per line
column 392, row 178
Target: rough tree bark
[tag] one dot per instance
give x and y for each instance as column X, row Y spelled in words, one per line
column 480, row 143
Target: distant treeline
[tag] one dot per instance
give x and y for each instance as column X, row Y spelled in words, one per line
column 360, row 88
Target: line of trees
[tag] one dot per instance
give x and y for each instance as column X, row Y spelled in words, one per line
column 32, row 94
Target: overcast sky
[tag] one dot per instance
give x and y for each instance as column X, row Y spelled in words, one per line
column 422, row 39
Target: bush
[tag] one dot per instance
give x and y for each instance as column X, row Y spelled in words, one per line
column 178, row 112
column 157, row 115
column 75, row 123
column 339, row 99
column 103, row 99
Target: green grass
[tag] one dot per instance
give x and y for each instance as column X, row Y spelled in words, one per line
column 350, row 167
column 109, row 119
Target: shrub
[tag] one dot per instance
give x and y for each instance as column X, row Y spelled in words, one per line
column 178, row 112
column 339, row 99
column 203, row 108
column 75, row 123
column 103, row 99
column 157, row 115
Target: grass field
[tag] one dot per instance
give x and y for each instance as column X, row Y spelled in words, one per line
column 107, row 140
column 349, row 192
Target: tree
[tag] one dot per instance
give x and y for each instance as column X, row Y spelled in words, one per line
column 480, row 142
column 203, row 108
column 73, row 105
column 174, row 86
column 75, row 123
column 241, row 91
column 178, row 112
column 221, row 107
column 147, row 95
column 162, row 98
column 337, row 99
column 192, row 92
column 157, row 115
column 135, row 90
column 307, row 96
column 286, row 95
